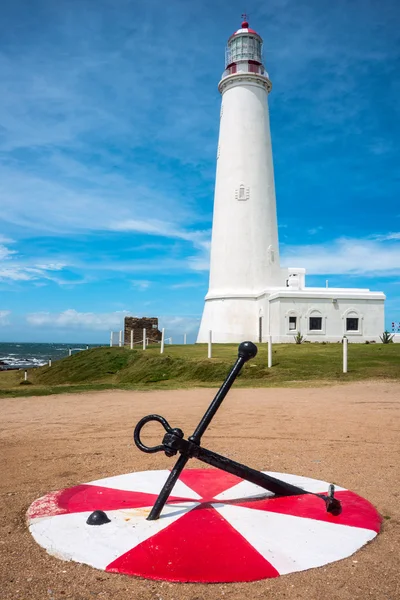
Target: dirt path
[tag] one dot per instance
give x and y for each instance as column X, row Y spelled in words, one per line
column 348, row 434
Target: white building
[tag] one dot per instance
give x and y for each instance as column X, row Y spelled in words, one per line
column 250, row 296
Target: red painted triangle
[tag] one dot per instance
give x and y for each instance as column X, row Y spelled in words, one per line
column 208, row 483
column 356, row 511
column 82, row 498
column 199, row 547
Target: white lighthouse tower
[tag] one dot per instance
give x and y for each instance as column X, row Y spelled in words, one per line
column 244, row 248
column 250, row 296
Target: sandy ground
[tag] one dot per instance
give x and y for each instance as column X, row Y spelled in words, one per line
column 348, row 434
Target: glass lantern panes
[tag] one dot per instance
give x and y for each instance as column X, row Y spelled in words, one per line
column 243, row 47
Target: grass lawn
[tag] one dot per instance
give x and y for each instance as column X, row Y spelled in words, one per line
column 188, row 366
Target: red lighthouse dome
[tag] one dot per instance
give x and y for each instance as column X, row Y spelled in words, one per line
column 245, row 29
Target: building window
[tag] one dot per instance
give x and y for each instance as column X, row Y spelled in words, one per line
column 292, row 323
column 315, row 324
column 351, row 324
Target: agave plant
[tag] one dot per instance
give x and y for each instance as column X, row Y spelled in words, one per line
column 298, row 338
column 386, row 338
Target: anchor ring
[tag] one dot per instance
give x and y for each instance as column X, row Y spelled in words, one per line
column 138, row 429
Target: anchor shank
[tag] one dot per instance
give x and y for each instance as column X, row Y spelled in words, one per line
column 216, row 403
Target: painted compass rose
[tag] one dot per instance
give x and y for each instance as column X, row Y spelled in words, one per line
column 215, row 527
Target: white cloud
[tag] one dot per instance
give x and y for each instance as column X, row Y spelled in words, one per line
column 345, row 256
column 200, row 239
column 4, row 314
column 394, row 235
column 187, row 284
column 199, row 263
column 141, row 284
column 314, row 230
column 87, row 201
column 13, row 268
column 89, row 321
column 15, row 274
column 5, row 252
column 6, row 240
column 19, row 272
column 72, row 319
column 179, row 325
column 51, row 267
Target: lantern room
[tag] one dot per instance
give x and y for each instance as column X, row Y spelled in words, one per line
column 245, row 49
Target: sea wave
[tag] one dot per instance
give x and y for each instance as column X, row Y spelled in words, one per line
column 9, row 362
column 30, row 355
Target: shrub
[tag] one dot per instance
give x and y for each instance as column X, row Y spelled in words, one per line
column 386, row 338
column 299, row 339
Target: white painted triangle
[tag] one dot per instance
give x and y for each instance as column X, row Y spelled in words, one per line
column 68, row 537
column 294, row 543
column 245, row 489
column 147, row 482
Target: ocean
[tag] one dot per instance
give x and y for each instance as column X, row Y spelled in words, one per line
column 25, row 356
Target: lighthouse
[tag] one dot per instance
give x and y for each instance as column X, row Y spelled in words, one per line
column 244, row 246
column 250, row 297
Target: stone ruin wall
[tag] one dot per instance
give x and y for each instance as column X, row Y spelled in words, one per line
column 137, row 325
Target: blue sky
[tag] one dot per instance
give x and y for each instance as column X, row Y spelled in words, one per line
column 109, row 114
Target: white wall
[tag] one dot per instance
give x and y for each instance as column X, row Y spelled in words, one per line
column 244, row 248
column 230, row 320
column 369, row 312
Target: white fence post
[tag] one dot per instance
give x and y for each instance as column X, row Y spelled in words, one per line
column 111, row 338
column 49, row 362
column 269, row 351
column 120, row 338
column 184, row 338
column 26, row 375
column 209, row 344
column 162, row 340
column 131, row 339
column 144, row 339
column 69, row 351
column 345, row 340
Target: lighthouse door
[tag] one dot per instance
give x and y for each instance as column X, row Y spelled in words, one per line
column 260, row 329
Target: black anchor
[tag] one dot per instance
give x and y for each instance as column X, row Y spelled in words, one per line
column 174, row 442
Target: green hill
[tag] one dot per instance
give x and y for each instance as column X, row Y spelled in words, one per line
column 188, row 366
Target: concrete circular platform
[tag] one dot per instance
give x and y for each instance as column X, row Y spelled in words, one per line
column 214, row 528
